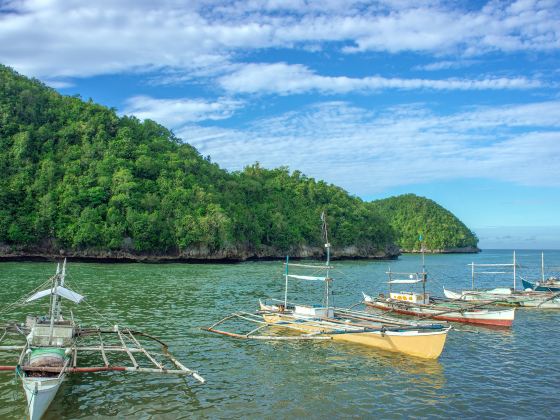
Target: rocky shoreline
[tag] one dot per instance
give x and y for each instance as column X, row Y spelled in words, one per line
column 195, row 255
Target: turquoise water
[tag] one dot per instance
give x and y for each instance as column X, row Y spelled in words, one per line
column 482, row 372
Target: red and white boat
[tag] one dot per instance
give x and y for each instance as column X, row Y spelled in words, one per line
column 421, row 305
column 415, row 304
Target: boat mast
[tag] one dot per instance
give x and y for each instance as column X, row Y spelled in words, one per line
column 472, row 275
column 424, row 275
column 514, row 271
column 54, row 301
column 286, row 287
column 328, row 247
column 62, row 277
column 542, row 266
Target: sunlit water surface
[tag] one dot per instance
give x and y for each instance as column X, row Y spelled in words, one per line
column 482, row 372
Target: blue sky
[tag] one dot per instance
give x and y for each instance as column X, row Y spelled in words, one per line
column 458, row 101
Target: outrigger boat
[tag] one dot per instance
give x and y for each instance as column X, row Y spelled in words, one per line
column 503, row 295
column 551, row 284
column 326, row 322
column 424, row 306
column 53, row 345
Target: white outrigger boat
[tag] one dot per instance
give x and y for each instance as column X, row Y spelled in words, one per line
column 326, row 322
column 505, row 295
column 52, row 345
column 424, row 306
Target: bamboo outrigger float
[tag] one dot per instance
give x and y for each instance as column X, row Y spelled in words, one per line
column 283, row 320
column 53, row 347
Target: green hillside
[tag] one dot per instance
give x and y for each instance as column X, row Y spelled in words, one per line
column 76, row 176
column 411, row 216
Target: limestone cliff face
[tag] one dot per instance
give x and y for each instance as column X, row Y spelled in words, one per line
column 197, row 254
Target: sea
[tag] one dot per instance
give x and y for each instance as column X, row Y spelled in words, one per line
column 482, row 373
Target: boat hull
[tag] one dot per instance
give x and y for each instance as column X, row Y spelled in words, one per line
column 40, row 392
column 537, row 287
column 426, row 345
column 494, row 318
column 536, row 300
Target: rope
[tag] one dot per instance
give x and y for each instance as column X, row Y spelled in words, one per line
column 107, row 319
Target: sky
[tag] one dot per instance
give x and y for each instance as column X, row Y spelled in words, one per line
column 457, row 101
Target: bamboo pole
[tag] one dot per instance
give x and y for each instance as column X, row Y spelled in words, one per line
column 94, row 369
column 110, row 349
column 11, row 348
column 222, row 320
column 127, row 349
column 318, row 267
column 105, row 360
column 270, row 337
column 185, row 369
column 148, row 355
column 255, row 330
column 91, row 331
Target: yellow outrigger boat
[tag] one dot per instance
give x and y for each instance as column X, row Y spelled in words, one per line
column 326, row 322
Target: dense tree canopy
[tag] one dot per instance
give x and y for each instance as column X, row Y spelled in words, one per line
column 77, row 176
column 412, row 217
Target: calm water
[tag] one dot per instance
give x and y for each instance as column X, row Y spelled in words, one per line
column 482, row 373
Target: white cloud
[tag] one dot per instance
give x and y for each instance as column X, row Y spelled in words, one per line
column 446, row 65
column 49, row 38
column 369, row 152
column 282, row 78
column 175, row 113
column 58, row 84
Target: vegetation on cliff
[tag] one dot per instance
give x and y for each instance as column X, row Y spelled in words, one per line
column 77, row 176
column 411, row 216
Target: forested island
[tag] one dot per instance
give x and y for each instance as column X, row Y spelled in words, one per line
column 80, row 181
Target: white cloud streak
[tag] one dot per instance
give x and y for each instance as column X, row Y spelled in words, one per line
column 369, row 152
column 178, row 112
column 284, row 79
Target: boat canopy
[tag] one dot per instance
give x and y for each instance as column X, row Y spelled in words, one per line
column 405, row 281
column 294, row 276
column 60, row 291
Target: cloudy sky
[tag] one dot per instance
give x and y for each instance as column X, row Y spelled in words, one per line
column 458, row 101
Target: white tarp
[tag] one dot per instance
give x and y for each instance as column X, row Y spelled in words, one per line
column 60, row 291
column 293, row 276
column 405, row 281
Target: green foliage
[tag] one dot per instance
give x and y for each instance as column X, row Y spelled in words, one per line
column 411, row 216
column 76, row 175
